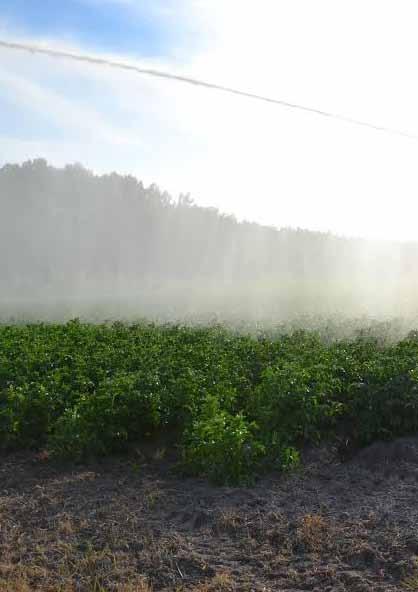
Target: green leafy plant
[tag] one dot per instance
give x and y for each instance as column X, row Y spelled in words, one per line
column 236, row 404
column 222, row 446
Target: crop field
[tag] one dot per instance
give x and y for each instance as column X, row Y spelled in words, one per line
column 232, row 405
column 203, row 458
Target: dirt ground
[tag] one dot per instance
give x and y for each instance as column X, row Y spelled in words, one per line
column 131, row 524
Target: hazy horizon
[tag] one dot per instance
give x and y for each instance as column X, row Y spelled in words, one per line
column 74, row 243
column 195, row 200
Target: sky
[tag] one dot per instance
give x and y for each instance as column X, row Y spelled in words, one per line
column 261, row 162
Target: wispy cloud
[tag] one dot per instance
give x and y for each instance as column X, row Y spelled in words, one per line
column 79, row 120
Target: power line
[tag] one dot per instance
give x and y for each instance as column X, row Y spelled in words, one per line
column 196, row 82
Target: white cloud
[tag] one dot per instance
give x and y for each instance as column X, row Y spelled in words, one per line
column 259, row 161
column 55, row 108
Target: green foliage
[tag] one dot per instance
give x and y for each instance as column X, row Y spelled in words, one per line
column 24, row 415
column 296, row 401
column 384, row 404
column 238, row 404
column 124, row 408
column 222, row 446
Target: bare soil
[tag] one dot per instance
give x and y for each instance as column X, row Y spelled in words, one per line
column 130, row 524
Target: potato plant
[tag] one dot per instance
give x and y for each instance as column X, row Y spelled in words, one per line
column 238, row 404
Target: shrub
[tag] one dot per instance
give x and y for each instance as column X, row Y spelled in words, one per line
column 125, row 408
column 25, row 413
column 222, row 446
column 294, row 403
column 383, row 407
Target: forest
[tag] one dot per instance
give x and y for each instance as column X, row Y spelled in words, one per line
column 69, row 237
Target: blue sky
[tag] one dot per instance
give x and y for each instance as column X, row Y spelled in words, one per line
column 109, row 25
column 138, row 29
column 258, row 161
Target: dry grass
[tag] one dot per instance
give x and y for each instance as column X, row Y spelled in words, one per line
column 313, row 532
column 410, row 583
column 152, row 497
column 222, row 582
column 229, row 521
column 141, row 586
column 20, row 583
column 22, row 586
column 15, row 585
column 102, row 528
column 66, row 527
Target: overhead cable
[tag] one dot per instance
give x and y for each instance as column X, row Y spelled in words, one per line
column 55, row 53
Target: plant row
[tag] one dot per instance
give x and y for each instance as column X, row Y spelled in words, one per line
column 237, row 404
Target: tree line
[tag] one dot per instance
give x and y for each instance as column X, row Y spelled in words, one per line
column 61, row 227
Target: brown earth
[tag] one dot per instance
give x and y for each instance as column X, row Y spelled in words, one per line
column 131, row 525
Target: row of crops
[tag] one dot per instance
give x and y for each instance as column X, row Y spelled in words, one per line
column 235, row 404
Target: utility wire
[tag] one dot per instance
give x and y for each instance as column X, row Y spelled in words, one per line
column 188, row 80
